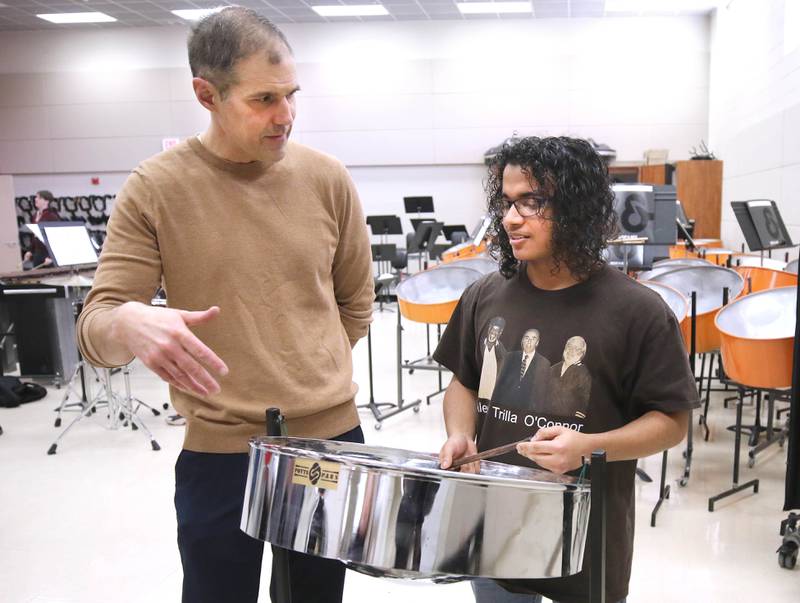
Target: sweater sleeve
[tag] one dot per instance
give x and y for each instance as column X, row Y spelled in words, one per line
column 352, row 263
column 129, row 268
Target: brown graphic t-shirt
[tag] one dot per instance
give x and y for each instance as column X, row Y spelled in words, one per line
column 592, row 357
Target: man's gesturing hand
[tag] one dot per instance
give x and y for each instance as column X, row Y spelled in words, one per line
column 161, row 339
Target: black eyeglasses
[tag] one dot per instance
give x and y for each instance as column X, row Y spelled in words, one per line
column 527, row 207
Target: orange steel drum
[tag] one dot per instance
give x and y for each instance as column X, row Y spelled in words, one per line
column 758, row 279
column 463, row 251
column 717, row 255
column 747, row 259
column 663, row 266
column 679, row 250
column 757, row 338
column 679, row 305
column 432, row 295
column 482, row 263
column 708, row 282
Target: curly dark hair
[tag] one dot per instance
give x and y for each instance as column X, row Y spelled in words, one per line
column 576, row 181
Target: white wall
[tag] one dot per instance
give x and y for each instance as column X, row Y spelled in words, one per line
column 755, row 107
column 410, row 106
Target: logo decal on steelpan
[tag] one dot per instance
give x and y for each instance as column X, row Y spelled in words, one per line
column 318, row 474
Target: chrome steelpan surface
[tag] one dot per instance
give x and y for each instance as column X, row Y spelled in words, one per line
column 393, row 513
column 769, row 314
column 792, row 267
column 707, row 281
column 437, row 286
column 483, row 264
column 676, row 301
column 754, row 260
column 675, row 262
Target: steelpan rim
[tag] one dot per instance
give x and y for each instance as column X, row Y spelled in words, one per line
column 749, row 299
column 470, row 272
column 733, row 295
column 565, row 483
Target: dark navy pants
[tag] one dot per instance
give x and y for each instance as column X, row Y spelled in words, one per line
column 220, row 562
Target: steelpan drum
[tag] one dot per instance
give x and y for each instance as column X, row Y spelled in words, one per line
column 757, row 333
column 792, row 267
column 663, row 266
column 708, row 282
column 757, row 278
column 393, row 513
column 677, row 302
column 746, row 259
column 483, row 264
column 432, row 295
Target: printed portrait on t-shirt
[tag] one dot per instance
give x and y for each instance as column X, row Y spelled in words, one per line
column 570, row 382
column 493, row 354
column 522, row 383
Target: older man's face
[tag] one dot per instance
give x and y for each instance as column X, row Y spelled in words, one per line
column 574, row 351
column 494, row 333
column 529, row 342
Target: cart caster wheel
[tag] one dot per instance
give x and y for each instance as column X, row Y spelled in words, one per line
column 751, row 462
column 377, row 426
column 52, row 449
column 58, row 422
column 155, row 445
column 682, row 482
column 416, row 408
column 787, row 556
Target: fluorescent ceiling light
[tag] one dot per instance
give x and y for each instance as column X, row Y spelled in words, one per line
column 77, row 18
column 481, row 8
column 352, row 10
column 195, row 14
column 660, row 6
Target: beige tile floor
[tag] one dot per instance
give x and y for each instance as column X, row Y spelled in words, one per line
column 95, row 522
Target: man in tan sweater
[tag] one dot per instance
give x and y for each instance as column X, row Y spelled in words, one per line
column 263, row 250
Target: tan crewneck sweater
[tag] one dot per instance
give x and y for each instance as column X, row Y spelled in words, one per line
column 282, row 250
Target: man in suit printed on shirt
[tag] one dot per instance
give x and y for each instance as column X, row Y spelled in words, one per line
column 570, row 382
column 523, row 380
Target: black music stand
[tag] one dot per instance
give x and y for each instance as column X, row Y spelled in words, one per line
column 450, row 230
column 418, row 205
column 415, row 222
column 385, row 225
column 762, row 225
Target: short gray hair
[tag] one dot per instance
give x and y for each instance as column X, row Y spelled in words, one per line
column 222, row 39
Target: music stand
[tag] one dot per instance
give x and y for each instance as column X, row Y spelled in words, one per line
column 68, row 243
column 384, row 226
column 762, row 225
column 451, row 229
column 418, row 205
column 415, row 222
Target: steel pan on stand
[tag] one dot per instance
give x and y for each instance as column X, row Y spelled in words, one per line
column 713, row 287
column 792, row 266
column 679, row 305
column 746, row 259
column 709, row 282
column 429, row 297
column 393, row 513
column 482, row 263
column 758, row 278
column 757, row 341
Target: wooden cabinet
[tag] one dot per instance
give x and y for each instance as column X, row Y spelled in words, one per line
column 699, row 184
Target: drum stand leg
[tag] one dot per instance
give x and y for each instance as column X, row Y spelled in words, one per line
column 372, row 405
column 737, row 441
column 597, row 527
column 773, row 436
column 401, row 406
column 280, row 557
column 427, row 363
column 687, row 454
column 127, row 412
column 663, row 491
column 119, row 408
column 71, row 389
